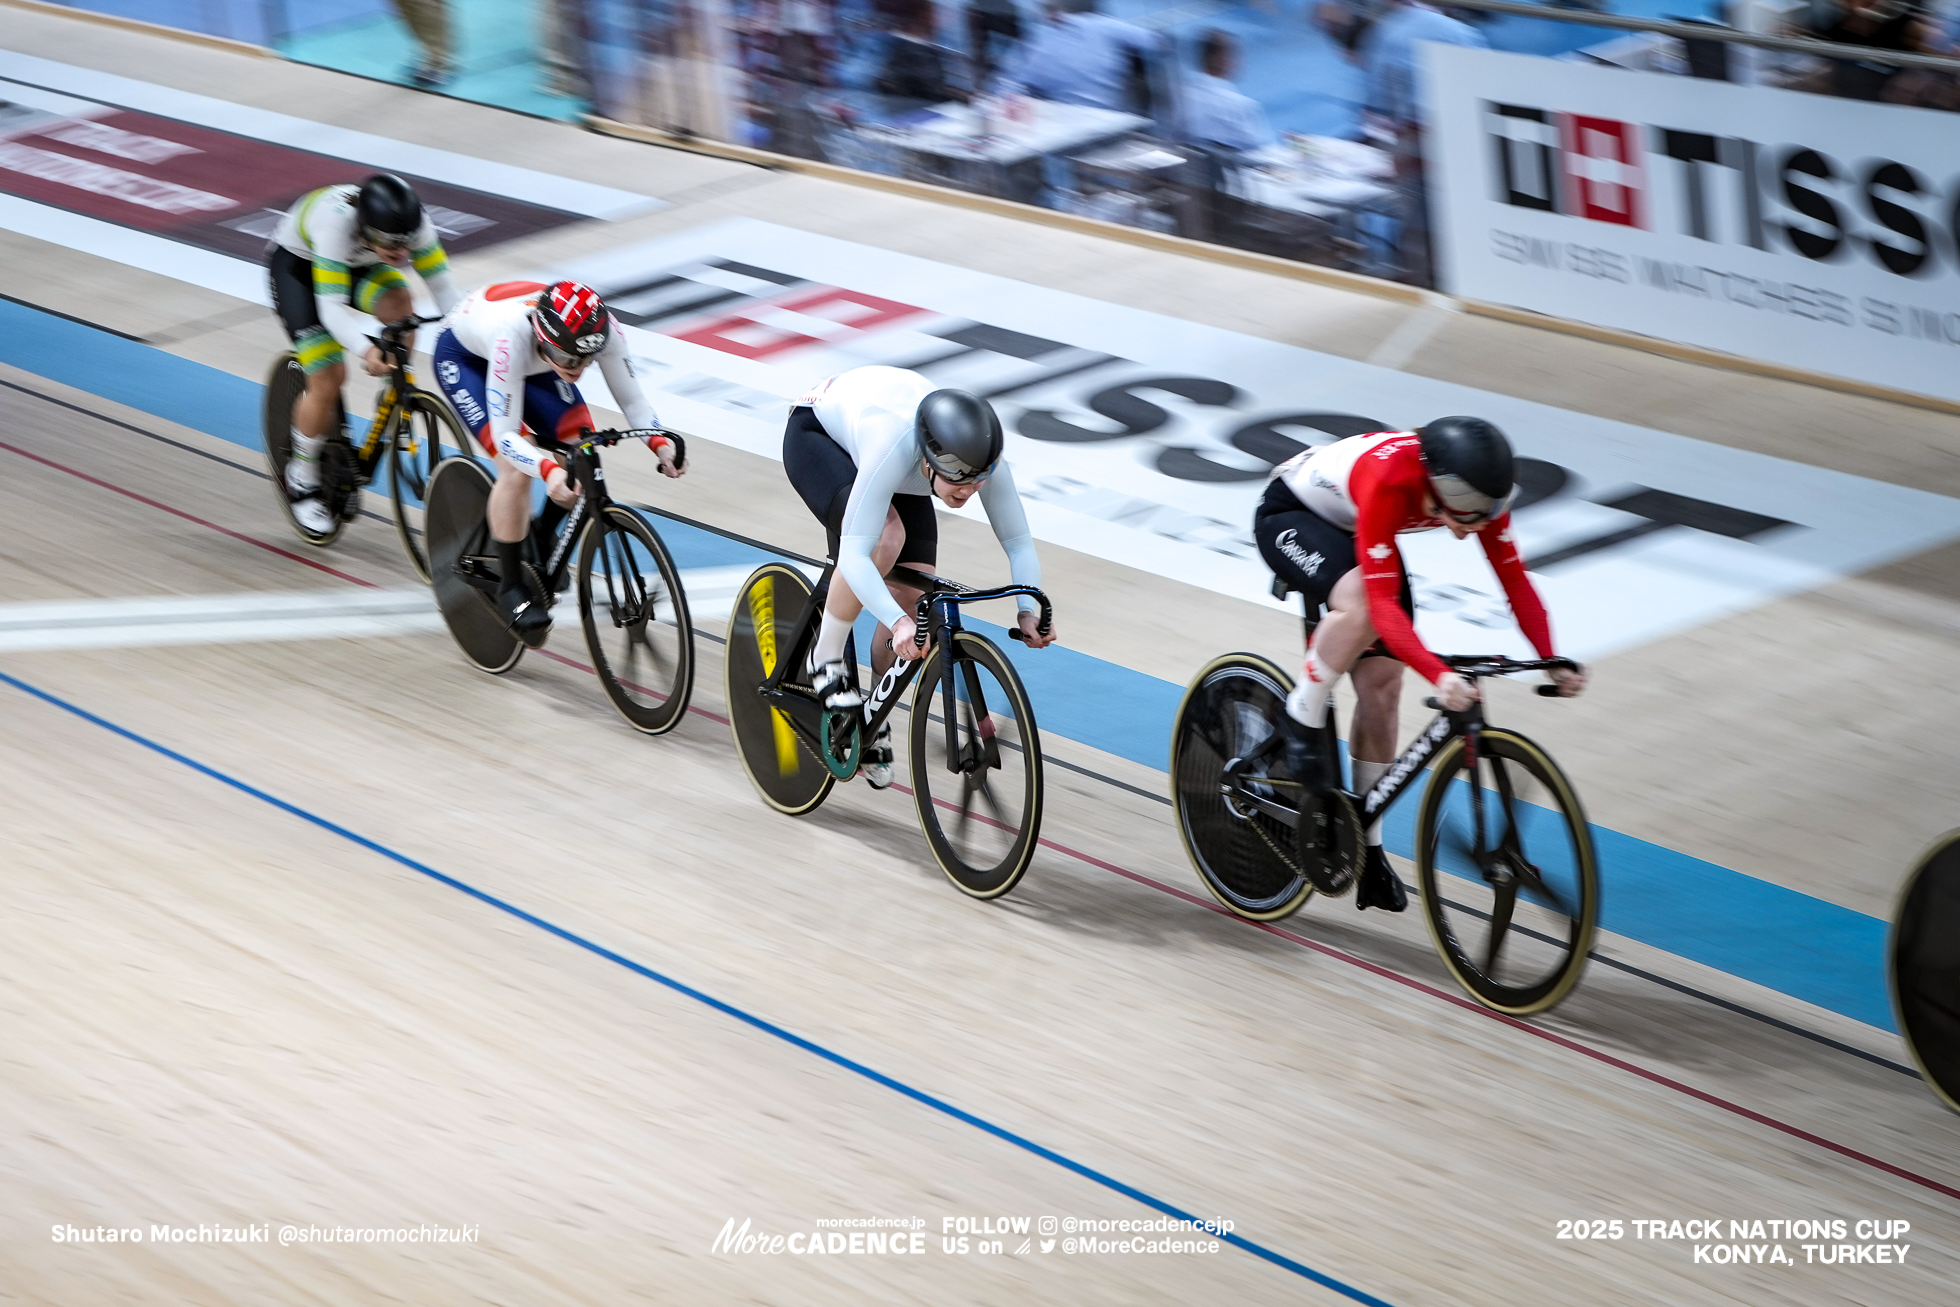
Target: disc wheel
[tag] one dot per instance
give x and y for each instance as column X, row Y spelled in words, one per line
column 1511, row 892
column 636, row 620
column 979, row 798
column 1923, row 964
column 455, row 530
column 784, row 769
column 1247, row 858
column 283, row 387
column 425, row 432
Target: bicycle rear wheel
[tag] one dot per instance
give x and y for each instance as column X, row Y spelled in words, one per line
column 283, row 386
column 425, row 432
column 1923, row 966
column 788, row 774
column 636, row 620
column 1513, row 909
column 1249, row 862
column 979, row 803
column 455, row 531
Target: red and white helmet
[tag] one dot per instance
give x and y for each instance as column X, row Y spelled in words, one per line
column 572, row 323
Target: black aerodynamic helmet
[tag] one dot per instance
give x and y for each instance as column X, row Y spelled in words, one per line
column 960, row 435
column 1470, row 466
column 388, row 210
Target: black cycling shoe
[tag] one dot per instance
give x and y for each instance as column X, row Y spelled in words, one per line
column 1380, row 887
column 1300, row 757
column 529, row 621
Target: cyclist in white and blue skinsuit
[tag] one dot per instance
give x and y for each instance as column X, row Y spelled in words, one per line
column 869, row 450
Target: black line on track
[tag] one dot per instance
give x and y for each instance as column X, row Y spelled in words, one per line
column 1616, row 964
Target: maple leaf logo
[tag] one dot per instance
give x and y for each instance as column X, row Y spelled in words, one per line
column 1379, row 552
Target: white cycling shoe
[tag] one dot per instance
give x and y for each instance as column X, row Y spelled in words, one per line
column 877, row 766
column 303, row 486
column 834, row 689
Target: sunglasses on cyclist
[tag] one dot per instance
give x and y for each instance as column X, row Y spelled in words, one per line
column 385, row 240
column 563, row 358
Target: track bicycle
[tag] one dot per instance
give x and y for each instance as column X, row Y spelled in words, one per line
column 630, row 596
column 1505, row 863
column 975, row 750
column 412, row 427
column 1923, row 966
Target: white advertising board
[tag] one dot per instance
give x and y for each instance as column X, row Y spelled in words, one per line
column 1148, row 440
column 1800, row 229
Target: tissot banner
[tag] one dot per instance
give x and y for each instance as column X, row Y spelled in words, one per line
column 1800, row 229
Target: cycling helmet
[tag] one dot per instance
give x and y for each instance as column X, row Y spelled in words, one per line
column 1470, row 468
column 572, row 323
column 959, row 434
column 389, row 212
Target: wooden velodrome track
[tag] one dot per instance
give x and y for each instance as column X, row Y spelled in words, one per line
column 342, row 933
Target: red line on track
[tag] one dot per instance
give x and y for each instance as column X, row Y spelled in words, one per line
column 188, row 517
column 1327, row 950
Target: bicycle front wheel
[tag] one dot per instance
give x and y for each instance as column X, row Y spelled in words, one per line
column 1923, row 965
column 636, row 620
column 1247, row 858
column 977, row 785
column 1510, row 881
column 789, row 776
column 425, row 433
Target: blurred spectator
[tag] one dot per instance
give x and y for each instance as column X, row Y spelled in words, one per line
column 986, row 20
column 1346, row 21
column 1078, row 56
column 1880, row 24
column 805, row 41
column 1388, row 57
column 429, row 21
column 916, row 68
column 564, row 72
column 1214, row 111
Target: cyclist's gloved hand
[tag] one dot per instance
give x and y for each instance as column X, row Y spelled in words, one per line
column 664, row 449
column 558, row 484
column 1030, row 623
column 904, row 636
column 1571, row 681
column 1455, row 692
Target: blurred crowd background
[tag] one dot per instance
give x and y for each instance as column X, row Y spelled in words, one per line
column 1288, row 127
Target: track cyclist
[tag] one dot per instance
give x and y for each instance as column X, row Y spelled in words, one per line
column 509, row 359
column 869, row 450
column 1327, row 527
column 336, row 262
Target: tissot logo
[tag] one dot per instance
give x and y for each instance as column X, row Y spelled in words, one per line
column 1723, row 189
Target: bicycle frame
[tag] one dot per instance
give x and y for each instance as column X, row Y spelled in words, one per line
column 938, row 614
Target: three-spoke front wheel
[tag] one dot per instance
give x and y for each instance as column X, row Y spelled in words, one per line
column 1510, row 881
column 425, row 433
column 636, row 621
column 977, row 788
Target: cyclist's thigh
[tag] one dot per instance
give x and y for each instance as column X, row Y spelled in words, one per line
column 820, row 470
column 554, row 411
column 1306, row 551
column 291, row 278
column 464, row 380
column 921, row 523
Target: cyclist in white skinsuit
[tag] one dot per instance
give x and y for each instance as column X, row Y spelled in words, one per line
column 509, row 359
column 869, row 450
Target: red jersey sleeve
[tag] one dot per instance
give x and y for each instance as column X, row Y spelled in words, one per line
column 1380, row 561
column 1529, row 610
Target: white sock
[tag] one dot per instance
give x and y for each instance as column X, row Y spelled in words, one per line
column 303, row 467
column 1366, row 774
column 830, row 640
column 305, row 446
column 1307, row 704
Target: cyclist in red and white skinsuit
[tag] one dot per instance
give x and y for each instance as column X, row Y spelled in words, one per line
column 1328, row 526
column 509, row 358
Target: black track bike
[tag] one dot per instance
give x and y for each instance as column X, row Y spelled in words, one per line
column 1923, row 966
column 412, row 429
column 630, row 596
column 1504, row 856
column 975, row 750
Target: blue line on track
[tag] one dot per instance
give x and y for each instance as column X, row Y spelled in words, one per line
column 1800, row 945
column 679, row 987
